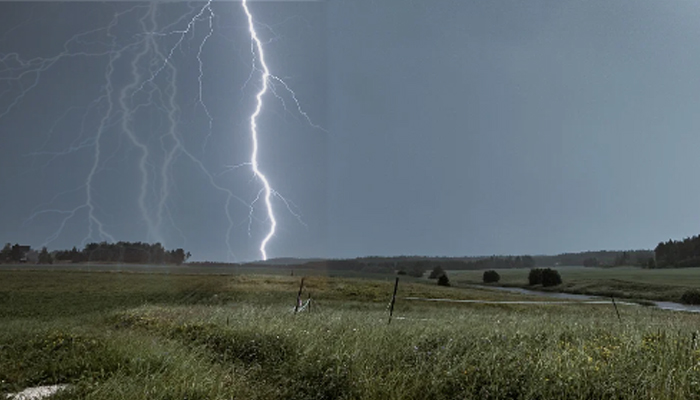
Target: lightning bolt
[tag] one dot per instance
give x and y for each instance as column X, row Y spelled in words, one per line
column 268, row 80
column 140, row 80
column 267, row 196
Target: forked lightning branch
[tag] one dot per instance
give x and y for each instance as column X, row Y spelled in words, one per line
column 142, row 73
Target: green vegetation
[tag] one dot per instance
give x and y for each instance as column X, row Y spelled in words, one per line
column 491, row 276
column 639, row 258
column 544, row 276
column 124, row 252
column 621, row 282
column 212, row 336
column 120, row 252
column 436, row 273
column 501, row 262
column 691, row 296
column 678, row 254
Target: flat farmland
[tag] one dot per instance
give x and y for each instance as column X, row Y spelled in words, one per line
column 157, row 335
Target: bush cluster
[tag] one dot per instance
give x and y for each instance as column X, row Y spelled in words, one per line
column 491, row 276
column 443, row 280
column 544, row 277
column 691, row 296
column 436, row 273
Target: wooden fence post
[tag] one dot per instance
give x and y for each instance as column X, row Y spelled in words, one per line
column 393, row 299
column 301, row 287
column 616, row 311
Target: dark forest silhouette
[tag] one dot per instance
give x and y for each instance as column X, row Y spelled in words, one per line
column 120, row 252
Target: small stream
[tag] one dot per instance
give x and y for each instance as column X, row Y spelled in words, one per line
column 664, row 305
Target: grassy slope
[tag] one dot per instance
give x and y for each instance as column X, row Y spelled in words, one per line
column 630, row 282
column 170, row 336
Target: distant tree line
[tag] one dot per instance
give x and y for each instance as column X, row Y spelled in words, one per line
column 598, row 258
column 125, row 252
column 502, row 262
column 411, row 267
column 677, row 254
column 122, row 252
column 14, row 253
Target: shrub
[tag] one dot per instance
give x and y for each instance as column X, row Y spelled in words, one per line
column 551, row 277
column 401, row 272
column 544, row 277
column 443, row 280
column 436, row 272
column 691, row 296
column 535, row 276
column 491, row 276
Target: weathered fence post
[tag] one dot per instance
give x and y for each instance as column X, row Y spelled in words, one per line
column 393, row 299
column 301, row 287
column 616, row 310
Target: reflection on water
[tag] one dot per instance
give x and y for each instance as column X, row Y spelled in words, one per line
column 664, row 305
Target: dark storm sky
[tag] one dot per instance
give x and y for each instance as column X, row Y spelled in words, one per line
column 450, row 127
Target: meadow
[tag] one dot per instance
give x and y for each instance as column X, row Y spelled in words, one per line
column 621, row 282
column 168, row 334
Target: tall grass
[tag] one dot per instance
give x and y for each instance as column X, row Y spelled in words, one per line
column 237, row 338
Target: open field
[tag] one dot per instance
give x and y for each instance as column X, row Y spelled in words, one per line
column 207, row 336
column 628, row 282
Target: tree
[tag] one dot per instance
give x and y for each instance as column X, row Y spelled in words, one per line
column 17, row 253
column 651, row 263
column 622, row 259
column 179, row 256
column 75, row 256
column 544, row 277
column 591, row 262
column 443, row 280
column 491, row 276
column 551, row 277
column 436, row 272
column 535, row 276
column 6, row 252
column 528, row 262
column 45, row 257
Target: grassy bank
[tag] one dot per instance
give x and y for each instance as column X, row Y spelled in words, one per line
column 173, row 336
column 623, row 282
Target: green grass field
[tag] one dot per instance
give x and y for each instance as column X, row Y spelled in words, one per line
column 168, row 335
column 628, row 282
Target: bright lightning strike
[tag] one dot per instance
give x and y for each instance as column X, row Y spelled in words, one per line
column 134, row 121
column 254, row 131
column 267, row 80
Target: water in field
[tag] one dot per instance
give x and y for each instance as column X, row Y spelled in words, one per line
column 664, row 305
